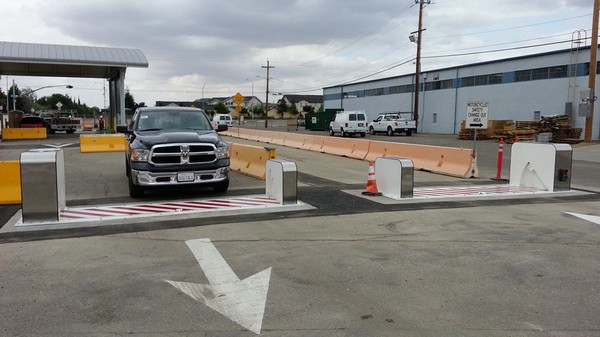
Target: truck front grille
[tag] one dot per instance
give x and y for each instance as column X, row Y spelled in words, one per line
column 169, row 154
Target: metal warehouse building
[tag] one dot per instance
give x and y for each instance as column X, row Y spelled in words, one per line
column 520, row 89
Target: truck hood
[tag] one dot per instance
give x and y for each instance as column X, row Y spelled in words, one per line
column 150, row 138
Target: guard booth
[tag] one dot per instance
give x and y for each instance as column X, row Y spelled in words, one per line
column 319, row 121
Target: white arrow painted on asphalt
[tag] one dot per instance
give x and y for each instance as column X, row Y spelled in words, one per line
column 591, row 218
column 242, row 301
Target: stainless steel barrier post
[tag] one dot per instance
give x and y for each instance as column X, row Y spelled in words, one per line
column 282, row 181
column 42, row 184
column 395, row 177
column 562, row 167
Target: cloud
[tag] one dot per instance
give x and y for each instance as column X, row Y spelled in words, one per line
column 311, row 43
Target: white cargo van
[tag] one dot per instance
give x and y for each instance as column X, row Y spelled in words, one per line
column 222, row 119
column 349, row 123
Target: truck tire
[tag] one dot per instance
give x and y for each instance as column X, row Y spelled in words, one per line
column 390, row 131
column 363, row 134
column 221, row 187
column 409, row 133
column 135, row 191
column 70, row 131
column 344, row 134
column 331, row 133
column 371, row 131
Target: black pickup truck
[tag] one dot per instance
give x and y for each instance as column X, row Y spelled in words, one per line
column 173, row 146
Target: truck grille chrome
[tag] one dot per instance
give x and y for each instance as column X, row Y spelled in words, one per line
column 193, row 153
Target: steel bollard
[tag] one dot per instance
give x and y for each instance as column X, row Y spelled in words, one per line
column 42, row 184
column 282, row 181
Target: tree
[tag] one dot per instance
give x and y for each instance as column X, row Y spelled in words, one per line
column 3, row 101
column 220, row 108
column 293, row 110
column 321, row 108
column 258, row 110
column 282, row 107
column 129, row 100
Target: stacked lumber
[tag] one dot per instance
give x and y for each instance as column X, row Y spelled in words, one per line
column 469, row 134
column 558, row 125
column 562, row 131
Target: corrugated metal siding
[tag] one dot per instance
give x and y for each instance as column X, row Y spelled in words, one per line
column 52, row 53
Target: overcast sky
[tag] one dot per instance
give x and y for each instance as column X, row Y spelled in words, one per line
column 222, row 44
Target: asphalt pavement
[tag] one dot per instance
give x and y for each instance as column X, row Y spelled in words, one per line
column 349, row 266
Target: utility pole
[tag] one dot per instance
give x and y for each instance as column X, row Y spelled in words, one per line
column 589, row 120
column 267, row 94
column 418, row 60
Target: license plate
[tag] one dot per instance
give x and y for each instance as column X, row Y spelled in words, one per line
column 186, row 176
column 360, row 124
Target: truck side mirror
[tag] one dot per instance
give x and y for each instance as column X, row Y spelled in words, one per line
column 222, row 127
column 123, row 129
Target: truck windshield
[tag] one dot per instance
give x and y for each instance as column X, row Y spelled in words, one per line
column 172, row 119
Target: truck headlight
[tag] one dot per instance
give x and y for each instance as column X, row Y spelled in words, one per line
column 222, row 152
column 139, row 155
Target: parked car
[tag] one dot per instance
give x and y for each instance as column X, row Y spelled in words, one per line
column 174, row 146
column 222, row 119
column 301, row 122
column 32, row 122
column 393, row 122
column 349, row 123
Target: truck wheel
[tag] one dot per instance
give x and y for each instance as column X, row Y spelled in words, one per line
column 221, row 187
column 331, row 133
column 371, row 131
column 70, row 132
column 390, row 131
column 362, row 134
column 344, row 134
column 409, row 133
column 135, row 191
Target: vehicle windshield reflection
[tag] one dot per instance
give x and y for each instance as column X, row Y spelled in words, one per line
column 172, row 120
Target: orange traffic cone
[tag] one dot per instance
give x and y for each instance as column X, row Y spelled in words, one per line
column 371, row 183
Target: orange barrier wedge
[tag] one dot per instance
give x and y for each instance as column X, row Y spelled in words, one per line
column 102, row 143
column 250, row 160
column 10, row 182
column 24, row 133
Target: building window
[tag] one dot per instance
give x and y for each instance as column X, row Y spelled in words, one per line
column 481, row 80
column 352, row 94
column 374, row 92
column 434, row 118
column 539, row 74
column 495, row 79
column 467, row 81
column 522, row 75
column 558, row 72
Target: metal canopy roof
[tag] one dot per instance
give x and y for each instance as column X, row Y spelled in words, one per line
column 34, row 59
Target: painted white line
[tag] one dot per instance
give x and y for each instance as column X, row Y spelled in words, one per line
column 242, row 301
column 590, row 218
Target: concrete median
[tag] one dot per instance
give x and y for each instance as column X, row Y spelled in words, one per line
column 24, row 133
column 102, row 143
column 10, row 182
column 250, row 160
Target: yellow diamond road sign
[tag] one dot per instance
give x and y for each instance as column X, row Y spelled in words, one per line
column 238, row 98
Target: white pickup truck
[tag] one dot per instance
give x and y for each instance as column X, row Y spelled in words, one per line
column 391, row 123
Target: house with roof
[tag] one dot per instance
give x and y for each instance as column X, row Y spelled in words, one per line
column 302, row 101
